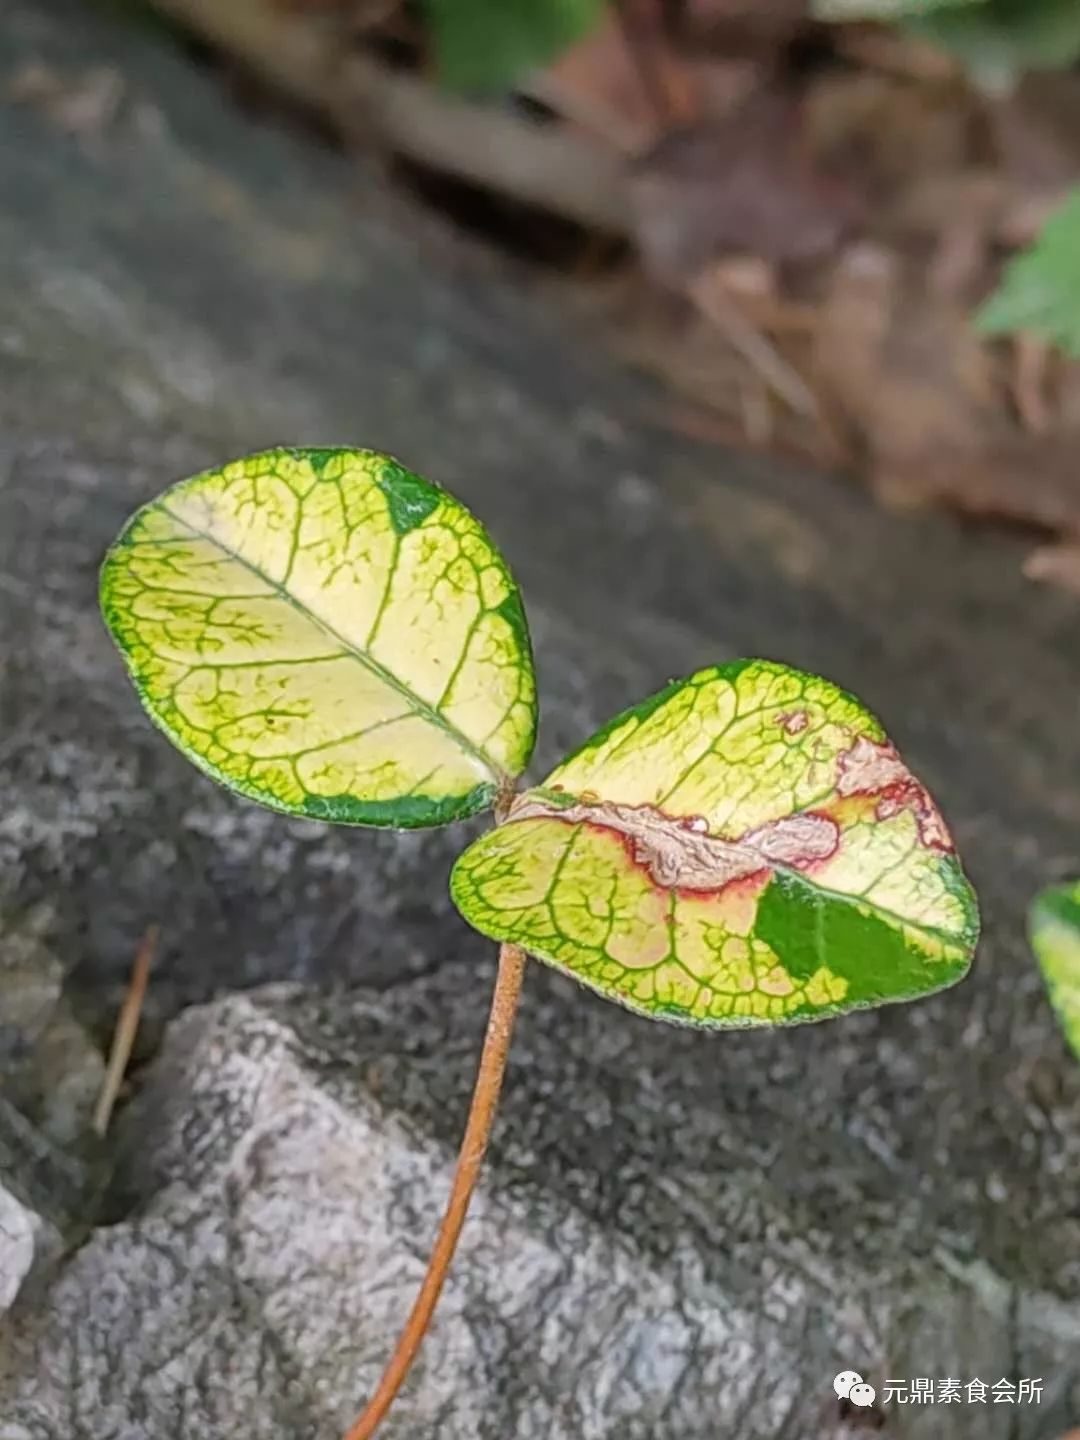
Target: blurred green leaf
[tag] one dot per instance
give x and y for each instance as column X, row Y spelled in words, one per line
column 999, row 39
column 996, row 40
column 841, row 10
column 1040, row 290
column 488, row 44
column 1054, row 931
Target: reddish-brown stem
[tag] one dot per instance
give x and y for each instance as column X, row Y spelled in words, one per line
column 489, row 1078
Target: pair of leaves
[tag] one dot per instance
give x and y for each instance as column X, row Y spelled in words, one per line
column 327, row 633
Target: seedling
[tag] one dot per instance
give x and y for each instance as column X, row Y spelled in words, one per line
column 1054, row 930
column 328, row 634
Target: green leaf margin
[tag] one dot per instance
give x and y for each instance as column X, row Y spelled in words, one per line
column 411, row 498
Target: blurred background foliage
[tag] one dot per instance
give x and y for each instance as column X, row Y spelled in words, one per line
column 846, row 230
column 997, row 40
column 489, row 45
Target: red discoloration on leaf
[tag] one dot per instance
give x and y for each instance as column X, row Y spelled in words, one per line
column 735, row 905
column 877, row 770
column 794, row 722
column 680, row 854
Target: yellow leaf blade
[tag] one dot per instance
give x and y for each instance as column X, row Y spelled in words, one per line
column 329, row 634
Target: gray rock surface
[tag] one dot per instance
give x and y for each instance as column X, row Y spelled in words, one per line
column 27, row 1241
column 681, row 1236
column 50, row 1066
column 31, row 981
column 50, row 1075
column 286, row 1170
column 17, row 1234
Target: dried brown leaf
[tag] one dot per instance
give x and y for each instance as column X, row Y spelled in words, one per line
column 745, row 185
column 605, row 85
column 928, row 404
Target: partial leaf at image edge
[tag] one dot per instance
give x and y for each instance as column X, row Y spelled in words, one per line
column 1054, row 931
column 1040, row 290
column 329, row 634
column 882, row 10
column 995, row 40
column 744, row 848
column 998, row 40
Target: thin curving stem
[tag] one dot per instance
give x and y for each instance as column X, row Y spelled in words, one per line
column 489, row 1078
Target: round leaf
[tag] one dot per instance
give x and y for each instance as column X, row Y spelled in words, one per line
column 1054, row 927
column 328, row 634
column 745, row 847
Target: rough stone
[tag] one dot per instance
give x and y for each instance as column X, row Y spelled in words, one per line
column 285, row 1167
column 50, row 1075
column 29, row 1242
column 59, row 1085
column 18, row 1234
column 49, row 1065
column 31, row 979
column 680, row 1235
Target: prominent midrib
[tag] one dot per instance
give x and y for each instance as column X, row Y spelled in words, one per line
column 419, row 706
column 527, row 803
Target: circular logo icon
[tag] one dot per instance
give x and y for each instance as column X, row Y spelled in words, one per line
column 844, row 1381
column 849, row 1385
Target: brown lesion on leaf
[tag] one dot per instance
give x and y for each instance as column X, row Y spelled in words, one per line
column 793, row 722
column 679, row 853
column 869, row 768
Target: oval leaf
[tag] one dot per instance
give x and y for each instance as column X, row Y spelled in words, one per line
column 745, row 847
column 329, row 634
column 1054, row 927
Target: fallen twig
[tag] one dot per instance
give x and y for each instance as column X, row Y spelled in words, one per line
column 127, row 1024
column 1031, row 361
column 541, row 165
column 755, row 347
